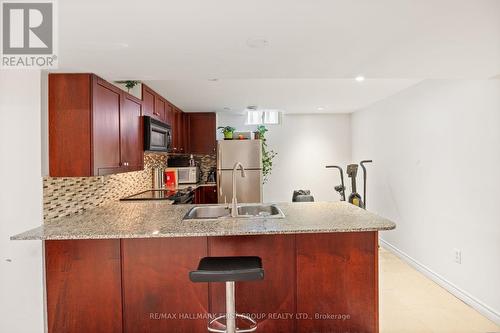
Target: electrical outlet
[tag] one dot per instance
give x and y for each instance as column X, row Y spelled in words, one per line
column 457, row 256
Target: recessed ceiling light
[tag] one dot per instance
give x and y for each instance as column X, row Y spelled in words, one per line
column 360, row 78
column 257, row 43
column 320, row 108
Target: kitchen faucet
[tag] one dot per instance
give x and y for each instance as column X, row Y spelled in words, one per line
column 234, row 203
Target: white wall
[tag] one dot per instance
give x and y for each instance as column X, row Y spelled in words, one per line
column 305, row 144
column 21, row 268
column 436, row 152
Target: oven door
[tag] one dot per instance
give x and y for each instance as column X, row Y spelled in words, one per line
column 157, row 135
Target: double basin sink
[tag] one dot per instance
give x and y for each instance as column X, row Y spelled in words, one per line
column 244, row 211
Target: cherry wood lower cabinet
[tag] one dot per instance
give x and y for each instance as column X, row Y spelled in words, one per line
column 84, row 291
column 206, row 195
column 261, row 299
column 313, row 283
column 337, row 282
column 157, row 293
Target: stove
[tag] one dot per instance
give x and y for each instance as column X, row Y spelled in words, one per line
column 184, row 196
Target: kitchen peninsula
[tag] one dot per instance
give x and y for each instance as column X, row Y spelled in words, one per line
column 126, row 264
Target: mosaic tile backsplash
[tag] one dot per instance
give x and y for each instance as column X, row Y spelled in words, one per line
column 64, row 196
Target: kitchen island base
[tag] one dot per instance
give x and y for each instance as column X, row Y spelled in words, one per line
column 314, row 282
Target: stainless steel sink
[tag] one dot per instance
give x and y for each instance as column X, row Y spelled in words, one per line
column 263, row 211
column 244, row 211
column 207, row 212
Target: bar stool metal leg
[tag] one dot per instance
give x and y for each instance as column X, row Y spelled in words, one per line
column 230, row 308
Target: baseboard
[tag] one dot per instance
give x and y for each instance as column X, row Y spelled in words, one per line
column 450, row 287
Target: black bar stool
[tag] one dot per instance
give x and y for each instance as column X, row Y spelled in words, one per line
column 229, row 270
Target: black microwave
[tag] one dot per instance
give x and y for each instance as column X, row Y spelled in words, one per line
column 157, row 135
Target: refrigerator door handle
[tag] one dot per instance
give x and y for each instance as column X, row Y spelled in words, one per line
column 219, row 161
column 219, row 186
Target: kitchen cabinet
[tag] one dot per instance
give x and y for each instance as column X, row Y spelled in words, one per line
column 202, row 133
column 169, row 113
column 185, row 133
column 163, row 289
column 273, row 295
column 206, row 195
column 160, row 106
column 148, row 101
column 84, row 286
column 178, row 129
column 142, row 284
column 95, row 128
column 154, row 104
column 131, row 133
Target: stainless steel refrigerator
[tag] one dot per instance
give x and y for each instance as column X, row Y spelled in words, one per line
column 249, row 154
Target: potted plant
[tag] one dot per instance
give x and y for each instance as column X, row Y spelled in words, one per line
column 267, row 155
column 227, row 131
column 129, row 84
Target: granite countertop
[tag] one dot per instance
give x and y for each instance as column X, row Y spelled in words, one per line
column 158, row 219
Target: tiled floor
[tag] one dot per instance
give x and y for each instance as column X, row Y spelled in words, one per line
column 410, row 302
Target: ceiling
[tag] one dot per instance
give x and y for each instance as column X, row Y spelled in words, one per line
column 306, row 45
column 290, row 95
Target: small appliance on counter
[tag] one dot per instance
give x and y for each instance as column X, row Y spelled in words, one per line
column 171, row 178
column 158, row 178
column 188, row 172
column 211, row 177
column 188, row 175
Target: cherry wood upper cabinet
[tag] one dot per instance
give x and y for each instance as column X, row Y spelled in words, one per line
column 202, row 133
column 154, row 105
column 160, row 106
column 132, row 154
column 185, row 144
column 105, row 127
column 94, row 127
column 176, row 130
column 169, row 113
column 148, row 101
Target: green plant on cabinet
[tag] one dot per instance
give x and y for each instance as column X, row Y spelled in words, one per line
column 227, row 131
column 267, row 154
column 129, row 84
